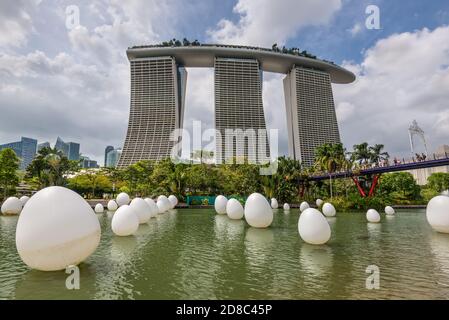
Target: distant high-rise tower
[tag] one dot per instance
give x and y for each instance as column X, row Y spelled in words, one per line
column 310, row 110
column 25, row 149
column 157, row 108
column 70, row 149
column 238, row 106
column 106, row 151
column 43, row 145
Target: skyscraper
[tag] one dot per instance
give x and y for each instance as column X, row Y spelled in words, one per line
column 238, row 107
column 112, row 158
column 311, row 118
column 70, row 149
column 25, row 149
column 157, row 107
column 158, row 82
column 106, row 150
column 43, row 145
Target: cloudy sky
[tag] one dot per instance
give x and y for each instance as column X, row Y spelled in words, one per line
column 73, row 81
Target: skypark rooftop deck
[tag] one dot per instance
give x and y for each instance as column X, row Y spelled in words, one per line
column 203, row 55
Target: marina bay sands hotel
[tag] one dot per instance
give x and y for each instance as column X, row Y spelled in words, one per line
column 158, row 87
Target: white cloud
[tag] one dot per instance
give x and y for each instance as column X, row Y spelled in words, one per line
column 402, row 77
column 356, row 29
column 264, row 22
column 16, row 22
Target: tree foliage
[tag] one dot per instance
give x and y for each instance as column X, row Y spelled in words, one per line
column 9, row 165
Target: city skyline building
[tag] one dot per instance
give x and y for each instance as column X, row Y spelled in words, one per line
column 43, row 145
column 239, row 109
column 106, row 150
column 310, row 109
column 70, row 149
column 112, row 158
column 25, row 149
column 158, row 87
column 158, row 84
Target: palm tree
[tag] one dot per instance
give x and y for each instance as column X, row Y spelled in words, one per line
column 376, row 153
column 361, row 153
column 330, row 157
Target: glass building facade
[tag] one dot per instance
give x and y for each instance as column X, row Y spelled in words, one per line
column 25, row 149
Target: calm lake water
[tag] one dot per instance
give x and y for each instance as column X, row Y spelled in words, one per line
column 196, row 254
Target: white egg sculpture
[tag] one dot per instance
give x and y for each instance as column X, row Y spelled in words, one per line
column 258, row 212
column 153, row 207
column 313, row 227
column 173, row 200
column 304, row 205
column 163, row 204
column 373, row 216
column 389, row 210
column 286, row 206
column 125, row 221
column 11, row 206
column 220, row 204
column 319, row 202
column 329, row 210
column 274, row 203
column 234, row 209
column 122, row 199
column 99, row 208
column 437, row 213
column 112, row 205
column 24, row 200
column 57, row 228
column 142, row 209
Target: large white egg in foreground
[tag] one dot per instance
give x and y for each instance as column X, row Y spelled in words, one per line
column 173, row 200
column 57, row 228
column 372, row 216
column 11, row 206
column 220, row 204
column 329, row 210
column 112, row 205
column 234, row 209
column 154, row 210
column 122, row 199
column 286, row 206
column 319, row 202
column 437, row 213
column 258, row 212
column 304, row 205
column 274, row 203
column 99, row 208
column 125, row 221
column 313, row 227
column 142, row 209
column 389, row 210
column 24, row 200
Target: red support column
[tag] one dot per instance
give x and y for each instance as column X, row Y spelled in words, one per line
column 374, row 185
column 359, row 187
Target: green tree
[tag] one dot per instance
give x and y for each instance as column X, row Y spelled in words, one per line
column 9, row 165
column 361, row 153
column 330, row 157
column 399, row 186
column 138, row 176
column 49, row 168
column 376, row 153
column 438, row 182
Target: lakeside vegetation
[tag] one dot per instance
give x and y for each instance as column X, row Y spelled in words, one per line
column 149, row 178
